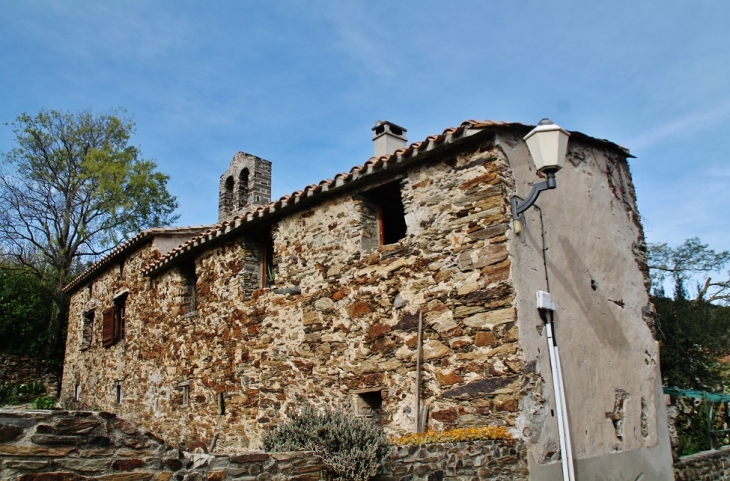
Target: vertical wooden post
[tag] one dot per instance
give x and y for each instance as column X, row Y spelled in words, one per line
column 419, row 356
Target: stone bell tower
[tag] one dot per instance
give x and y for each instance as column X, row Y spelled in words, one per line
column 245, row 185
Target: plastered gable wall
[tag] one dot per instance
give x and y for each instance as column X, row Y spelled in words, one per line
column 597, row 276
column 353, row 325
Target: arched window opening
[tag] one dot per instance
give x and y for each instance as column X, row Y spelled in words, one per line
column 242, row 188
column 228, row 195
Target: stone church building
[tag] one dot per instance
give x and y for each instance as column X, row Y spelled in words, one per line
column 207, row 336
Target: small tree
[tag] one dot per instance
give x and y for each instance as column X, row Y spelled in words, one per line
column 70, row 190
column 691, row 258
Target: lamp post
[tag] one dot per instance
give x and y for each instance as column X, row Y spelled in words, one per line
column 548, row 144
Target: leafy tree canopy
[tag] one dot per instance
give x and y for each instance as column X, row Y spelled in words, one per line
column 694, row 332
column 682, row 263
column 25, row 312
column 71, row 189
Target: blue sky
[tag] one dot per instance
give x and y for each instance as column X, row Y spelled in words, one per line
column 301, row 83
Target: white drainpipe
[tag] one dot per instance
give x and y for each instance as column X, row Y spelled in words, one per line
column 544, row 305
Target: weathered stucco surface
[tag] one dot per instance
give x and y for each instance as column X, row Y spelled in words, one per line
column 603, row 320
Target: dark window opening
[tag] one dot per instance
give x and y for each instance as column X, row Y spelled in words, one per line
column 267, row 262
column 186, row 396
column 267, row 268
column 228, row 195
column 77, row 392
column 221, row 404
column 121, row 270
column 87, row 329
column 189, row 287
column 91, row 289
column 120, row 316
column 387, row 205
column 113, row 320
column 243, row 188
column 369, row 404
column 118, row 392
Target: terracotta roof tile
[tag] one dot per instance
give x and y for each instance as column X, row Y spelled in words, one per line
column 125, row 247
column 372, row 165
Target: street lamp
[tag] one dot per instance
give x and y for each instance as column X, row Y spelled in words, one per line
column 548, row 144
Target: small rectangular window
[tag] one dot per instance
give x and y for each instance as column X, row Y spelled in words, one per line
column 268, row 273
column 77, row 392
column 186, row 396
column 118, row 392
column 87, row 329
column 120, row 316
column 189, row 287
column 383, row 216
column 262, row 242
column 369, row 404
column 221, row 404
column 184, row 387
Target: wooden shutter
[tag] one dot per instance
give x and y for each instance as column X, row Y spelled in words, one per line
column 107, row 330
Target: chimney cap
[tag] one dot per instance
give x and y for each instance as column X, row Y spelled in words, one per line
column 383, row 126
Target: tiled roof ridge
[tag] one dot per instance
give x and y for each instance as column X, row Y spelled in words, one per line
column 372, row 164
column 125, row 246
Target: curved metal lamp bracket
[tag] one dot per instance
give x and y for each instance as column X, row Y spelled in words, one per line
column 519, row 208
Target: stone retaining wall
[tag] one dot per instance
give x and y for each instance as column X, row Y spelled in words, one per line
column 704, row 466
column 76, row 446
column 25, row 369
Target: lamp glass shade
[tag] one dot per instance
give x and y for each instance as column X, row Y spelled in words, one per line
column 548, row 144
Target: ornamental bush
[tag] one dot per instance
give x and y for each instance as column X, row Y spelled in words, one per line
column 354, row 448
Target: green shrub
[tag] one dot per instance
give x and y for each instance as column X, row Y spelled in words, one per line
column 14, row 393
column 354, row 448
column 44, row 402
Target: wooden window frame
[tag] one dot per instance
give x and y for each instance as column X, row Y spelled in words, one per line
column 265, row 243
column 120, row 316
column 107, row 327
column 114, row 320
column 391, row 226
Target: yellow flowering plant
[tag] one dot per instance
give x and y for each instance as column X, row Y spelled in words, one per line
column 453, row 436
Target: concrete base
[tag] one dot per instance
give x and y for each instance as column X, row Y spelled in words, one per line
column 637, row 465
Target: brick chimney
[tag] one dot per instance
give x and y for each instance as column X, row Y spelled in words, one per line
column 388, row 137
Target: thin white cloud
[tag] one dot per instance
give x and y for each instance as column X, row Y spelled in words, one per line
column 363, row 38
column 681, row 127
column 129, row 30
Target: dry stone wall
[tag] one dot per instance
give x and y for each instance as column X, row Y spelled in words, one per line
column 338, row 326
column 704, row 466
column 27, row 370
column 78, row 446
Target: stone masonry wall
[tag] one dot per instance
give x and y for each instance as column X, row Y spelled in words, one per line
column 704, row 466
column 76, row 446
column 340, row 321
column 27, row 370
